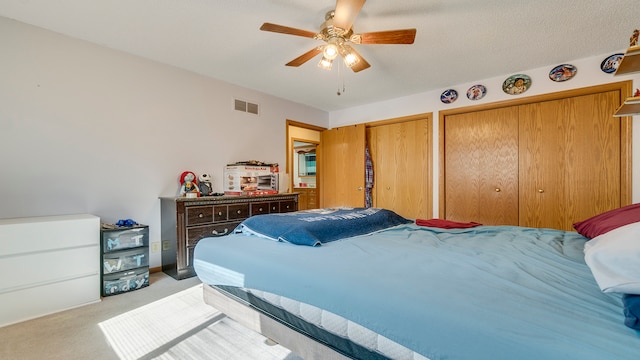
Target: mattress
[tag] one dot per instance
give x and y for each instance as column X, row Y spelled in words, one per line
column 342, row 335
column 485, row 292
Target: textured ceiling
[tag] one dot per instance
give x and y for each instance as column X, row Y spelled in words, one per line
column 457, row 41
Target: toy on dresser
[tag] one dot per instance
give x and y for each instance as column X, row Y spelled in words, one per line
column 188, row 185
column 206, row 188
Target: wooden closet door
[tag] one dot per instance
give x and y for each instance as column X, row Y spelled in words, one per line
column 400, row 155
column 543, row 131
column 569, row 160
column 342, row 160
column 481, row 166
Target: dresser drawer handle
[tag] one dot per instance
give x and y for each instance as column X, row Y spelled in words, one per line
column 260, row 209
column 288, row 206
column 215, row 232
column 219, row 213
column 201, row 215
column 239, row 211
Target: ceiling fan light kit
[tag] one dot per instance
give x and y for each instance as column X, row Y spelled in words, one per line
column 336, row 32
column 325, row 63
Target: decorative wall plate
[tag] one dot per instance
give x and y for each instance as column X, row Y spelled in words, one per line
column 449, row 96
column 476, row 92
column 562, row 72
column 516, row 84
column 610, row 64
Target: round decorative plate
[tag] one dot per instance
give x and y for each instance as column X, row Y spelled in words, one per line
column 610, row 64
column 516, row 84
column 449, row 96
column 476, row 92
column 562, row 72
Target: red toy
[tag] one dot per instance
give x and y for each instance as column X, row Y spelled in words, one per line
column 188, row 185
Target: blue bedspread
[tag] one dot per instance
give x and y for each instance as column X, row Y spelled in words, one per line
column 481, row 293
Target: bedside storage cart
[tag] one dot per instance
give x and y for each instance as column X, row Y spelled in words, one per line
column 124, row 258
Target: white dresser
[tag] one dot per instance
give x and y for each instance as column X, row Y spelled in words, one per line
column 48, row 264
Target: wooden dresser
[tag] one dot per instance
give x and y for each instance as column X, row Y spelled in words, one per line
column 187, row 220
column 308, row 198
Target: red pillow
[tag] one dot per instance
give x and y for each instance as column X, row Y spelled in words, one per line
column 607, row 221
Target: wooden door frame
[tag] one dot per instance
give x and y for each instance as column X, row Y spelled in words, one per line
column 289, row 149
column 625, row 89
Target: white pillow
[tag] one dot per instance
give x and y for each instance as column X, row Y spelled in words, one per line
column 614, row 259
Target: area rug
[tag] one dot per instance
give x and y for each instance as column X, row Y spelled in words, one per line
column 182, row 326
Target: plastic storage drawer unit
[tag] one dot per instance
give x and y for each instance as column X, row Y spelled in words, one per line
column 124, row 257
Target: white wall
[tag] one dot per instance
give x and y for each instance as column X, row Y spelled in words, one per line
column 588, row 74
column 84, row 129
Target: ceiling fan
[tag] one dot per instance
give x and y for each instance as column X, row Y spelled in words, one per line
column 338, row 34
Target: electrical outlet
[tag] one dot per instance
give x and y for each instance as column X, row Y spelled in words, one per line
column 155, row 246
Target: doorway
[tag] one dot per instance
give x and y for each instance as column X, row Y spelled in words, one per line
column 303, row 164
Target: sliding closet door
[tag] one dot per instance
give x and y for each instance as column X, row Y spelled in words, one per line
column 401, row 157
column 569, row 160
column 342, row 172
column 481, row 166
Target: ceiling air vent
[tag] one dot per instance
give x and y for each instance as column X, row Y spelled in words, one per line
column 246, row 106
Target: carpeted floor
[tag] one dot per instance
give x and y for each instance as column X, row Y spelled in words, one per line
column 167, row 320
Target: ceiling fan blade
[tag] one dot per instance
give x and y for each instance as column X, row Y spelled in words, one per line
column 406, row 36
column 346, row 12
column 286, row 30
column 361, row 64
column 304, row 57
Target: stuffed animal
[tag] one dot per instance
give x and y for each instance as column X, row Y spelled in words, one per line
column 206, row 188
column 188, row 185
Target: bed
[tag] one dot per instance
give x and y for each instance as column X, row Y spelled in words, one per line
column 388, row 288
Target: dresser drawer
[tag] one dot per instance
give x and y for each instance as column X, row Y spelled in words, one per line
column 124, row 260
column 220, row 213
column 238, row 211
column 114, row 240
column 259, row 208
column 195, row 233
column 126, row 281
column 199, row 215
column 288, row 206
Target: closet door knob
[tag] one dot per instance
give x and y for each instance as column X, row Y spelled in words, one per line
column 498, row 190
column 540, row 191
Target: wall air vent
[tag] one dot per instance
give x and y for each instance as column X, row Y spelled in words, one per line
column 246, row 106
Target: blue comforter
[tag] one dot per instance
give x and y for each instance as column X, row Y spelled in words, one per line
column 481, row 293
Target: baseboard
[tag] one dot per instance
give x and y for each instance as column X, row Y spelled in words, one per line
column 155, row 269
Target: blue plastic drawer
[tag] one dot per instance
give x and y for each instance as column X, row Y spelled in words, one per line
column 127, row 238
column 126, row 281
column 125, row 260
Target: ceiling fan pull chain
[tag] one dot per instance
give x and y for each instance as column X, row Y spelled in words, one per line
column 340, row 79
